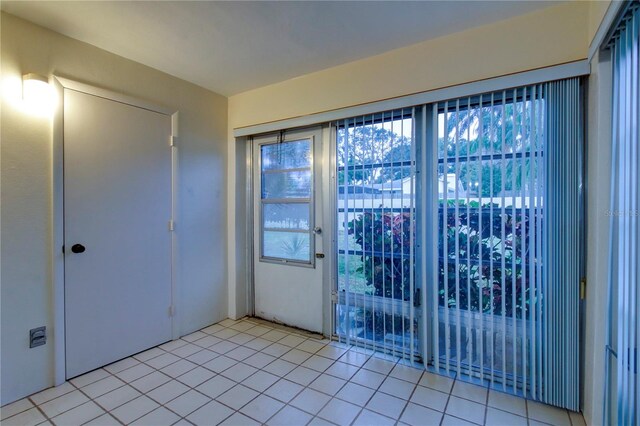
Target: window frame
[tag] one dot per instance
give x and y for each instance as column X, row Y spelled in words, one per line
column 310, row 263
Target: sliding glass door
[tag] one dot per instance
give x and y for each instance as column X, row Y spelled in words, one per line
column 374, row 301
column 490, row 201
column 458, row 237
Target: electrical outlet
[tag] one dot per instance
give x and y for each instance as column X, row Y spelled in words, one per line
column 37, row 336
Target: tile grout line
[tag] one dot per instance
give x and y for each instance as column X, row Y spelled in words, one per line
column 191, row 388
column 307, row 386
column 37, row 407
column 188, row 386
column 96, row 402
column 486, row 406
column 358, row 366
column 106, row 411
column 364, row 407
column 144, row 394
column 446, row 405
column 410, row 396
column 285, row 404
column 125, row 383
column 236, row 383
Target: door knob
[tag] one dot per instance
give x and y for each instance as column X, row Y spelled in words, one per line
column 78, row 248
column 317, row 230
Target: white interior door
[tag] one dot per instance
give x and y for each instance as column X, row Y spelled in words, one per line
column 117, row 204
column 288, row 228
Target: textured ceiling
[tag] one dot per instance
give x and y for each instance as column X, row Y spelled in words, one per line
column 231, row 47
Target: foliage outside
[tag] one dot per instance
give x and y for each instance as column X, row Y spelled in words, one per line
column 492, row 276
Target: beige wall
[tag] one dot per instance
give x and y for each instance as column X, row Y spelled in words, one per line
column 597, row 10
column 547, row 37
column 26, row 169
column 551, row 36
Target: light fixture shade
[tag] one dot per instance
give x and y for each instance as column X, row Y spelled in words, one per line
column 37, row 94
column 33, row 76
column 34, row 86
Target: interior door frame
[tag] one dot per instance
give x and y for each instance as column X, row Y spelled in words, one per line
column 323, row 165
column 57, row 237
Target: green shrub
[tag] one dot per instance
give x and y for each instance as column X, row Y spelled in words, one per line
column 492, row 275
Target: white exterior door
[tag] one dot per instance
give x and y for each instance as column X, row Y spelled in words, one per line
column 117, row 204
column 288, row 226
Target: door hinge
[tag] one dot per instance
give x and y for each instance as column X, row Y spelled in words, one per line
column 173, row 141
column 172, row 225
column 334, row 297
column 417, row 301
column 172, row 311
column 583, row 289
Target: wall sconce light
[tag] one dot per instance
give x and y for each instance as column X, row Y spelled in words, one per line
column 37, row 94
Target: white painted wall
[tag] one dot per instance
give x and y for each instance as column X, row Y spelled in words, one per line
column 26, row 168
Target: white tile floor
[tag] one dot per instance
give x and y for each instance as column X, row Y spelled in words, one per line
column 249, row 372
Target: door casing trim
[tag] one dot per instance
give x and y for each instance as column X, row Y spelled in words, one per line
column 57, row 226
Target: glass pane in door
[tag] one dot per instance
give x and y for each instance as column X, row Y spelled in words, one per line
column 286, row 196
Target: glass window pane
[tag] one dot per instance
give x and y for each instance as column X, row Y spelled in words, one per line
column 351, row 269
column 389, row 331
column 286, row 245
column 502, row 182
column 286, row 155
column 489, row 240
column 375, row 202
column 503, row 127
column 366, row 154
column 286, row 185
column 286, row 216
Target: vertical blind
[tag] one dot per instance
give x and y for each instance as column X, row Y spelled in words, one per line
column 458, row 235
column 623, row 323
column 487, row 287
column 374, row 303
column 561, row 253
column 504, row 290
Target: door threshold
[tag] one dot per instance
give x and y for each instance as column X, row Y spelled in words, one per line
column 288, row 328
